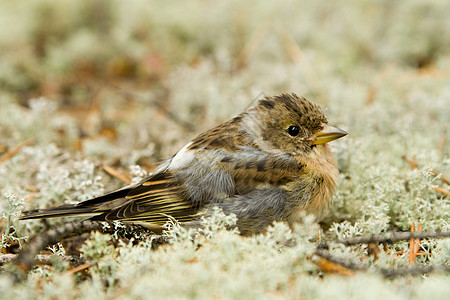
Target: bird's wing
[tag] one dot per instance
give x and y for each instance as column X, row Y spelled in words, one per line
column 154, row 201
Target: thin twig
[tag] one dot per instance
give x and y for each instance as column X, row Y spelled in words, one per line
column 25, row 259
column 15, row 150
column 417, row 241
column 442, row 177
column 80, row 268
column 116, row 174
column 414, row 271
column 388, row 273
column 6, row 258
column 41, row 259
column 412, row 256
column 441, row 190
column 411, row 162
column 387, row 238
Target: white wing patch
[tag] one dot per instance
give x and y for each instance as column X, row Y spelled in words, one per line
column 181, row 159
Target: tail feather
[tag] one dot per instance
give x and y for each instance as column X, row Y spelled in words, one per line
column 93, row 206
column 59, row 211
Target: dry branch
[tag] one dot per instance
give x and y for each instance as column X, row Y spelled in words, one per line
column 350, row 264
column 414, row 271
column 25, row 260
column 41, row 259
column 388, row 238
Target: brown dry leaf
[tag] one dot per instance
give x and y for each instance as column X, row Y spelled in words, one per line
column 331, row 268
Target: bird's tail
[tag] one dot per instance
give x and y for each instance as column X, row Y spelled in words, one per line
column 90, row 207
column 54, row 212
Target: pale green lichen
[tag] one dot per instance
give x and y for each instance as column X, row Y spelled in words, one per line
column 377, row 68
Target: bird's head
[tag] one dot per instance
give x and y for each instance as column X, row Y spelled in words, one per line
column 289, row 124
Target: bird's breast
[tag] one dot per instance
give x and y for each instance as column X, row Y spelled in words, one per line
column 314, row 188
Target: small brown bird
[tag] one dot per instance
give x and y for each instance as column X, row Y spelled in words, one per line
column 270, row 163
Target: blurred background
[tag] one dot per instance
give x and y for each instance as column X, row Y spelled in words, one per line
column 138, row 72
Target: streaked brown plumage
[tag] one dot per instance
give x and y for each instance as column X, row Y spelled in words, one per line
column 270, row 163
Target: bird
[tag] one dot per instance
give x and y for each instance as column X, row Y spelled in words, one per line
column 271, row 163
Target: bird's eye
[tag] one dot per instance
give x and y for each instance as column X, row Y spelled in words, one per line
column 293, row 130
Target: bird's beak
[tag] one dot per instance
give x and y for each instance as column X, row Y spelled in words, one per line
column 328, row 134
